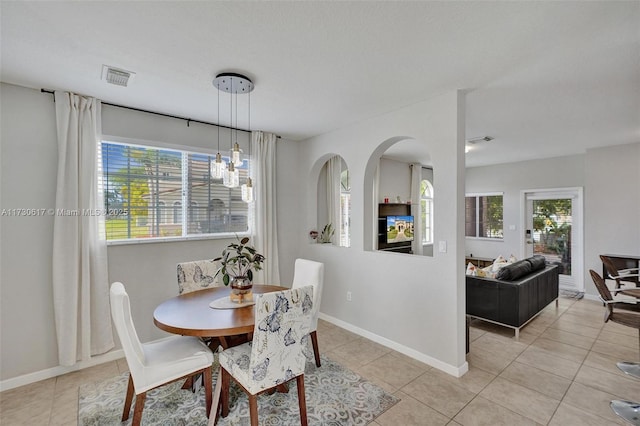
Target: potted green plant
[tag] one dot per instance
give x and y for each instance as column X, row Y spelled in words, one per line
column 237, row 263
column 326, row 234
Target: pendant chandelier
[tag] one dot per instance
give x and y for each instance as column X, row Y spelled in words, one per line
column 234, row 84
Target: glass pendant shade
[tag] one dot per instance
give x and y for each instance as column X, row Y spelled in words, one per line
column 231, row 177
column 217, row 167
column 247, row 191
column 235, row 155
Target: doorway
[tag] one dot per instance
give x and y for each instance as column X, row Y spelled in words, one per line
column 553, row 229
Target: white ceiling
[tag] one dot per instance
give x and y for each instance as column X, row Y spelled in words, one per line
column 543, row 78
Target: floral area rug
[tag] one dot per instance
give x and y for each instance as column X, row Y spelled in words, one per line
column 335, row 395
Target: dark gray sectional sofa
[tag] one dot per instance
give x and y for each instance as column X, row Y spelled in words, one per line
column 515, row 296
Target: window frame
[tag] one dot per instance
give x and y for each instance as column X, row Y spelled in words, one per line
column 344, row 239
column 427, row 226
column 477, row 196
column 183, row 149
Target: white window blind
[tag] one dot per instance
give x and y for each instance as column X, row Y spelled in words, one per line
column 155, row 193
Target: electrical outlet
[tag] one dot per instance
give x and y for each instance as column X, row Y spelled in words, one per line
column 348, row 296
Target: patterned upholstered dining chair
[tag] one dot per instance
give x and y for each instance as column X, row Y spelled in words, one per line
column 275, row 356
column 309, row 272
column 197, row 275
column 200, row 275
column 155, row 364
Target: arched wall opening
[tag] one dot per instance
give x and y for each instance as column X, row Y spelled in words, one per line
column 332, row 201
column 401, row 196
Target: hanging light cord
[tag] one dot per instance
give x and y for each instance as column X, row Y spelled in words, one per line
column 231, row 123
column 249, row 126
column 218, row 119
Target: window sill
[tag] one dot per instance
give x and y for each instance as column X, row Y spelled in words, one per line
column 228, row 235
column 497, row 240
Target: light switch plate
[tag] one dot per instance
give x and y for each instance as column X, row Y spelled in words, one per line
column 442, row 246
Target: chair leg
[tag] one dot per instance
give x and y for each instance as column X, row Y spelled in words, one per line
column 207, row 389
column 127, row 399
column 223, row 342
column 137, row 411
column 301, row 400
column 253, row 409
column 215, row 402
column 224, row 397
column 188, row 384
column 316, row 351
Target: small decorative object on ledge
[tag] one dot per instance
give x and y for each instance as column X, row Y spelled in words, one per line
column 326, row 234
column 313, row 235
column 238, row 261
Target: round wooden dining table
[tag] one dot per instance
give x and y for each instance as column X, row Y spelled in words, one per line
column 190, row 314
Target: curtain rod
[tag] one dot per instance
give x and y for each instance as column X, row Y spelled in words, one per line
column 188, row 120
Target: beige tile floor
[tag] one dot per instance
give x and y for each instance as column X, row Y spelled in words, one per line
column 561, row 372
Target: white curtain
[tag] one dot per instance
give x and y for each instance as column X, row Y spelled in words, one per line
column 266, row 227
column 334, row 171
column 80, row 281
column 416, row 207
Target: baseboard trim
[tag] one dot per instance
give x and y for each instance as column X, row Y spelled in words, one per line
column 48, row 373
column 412, row 353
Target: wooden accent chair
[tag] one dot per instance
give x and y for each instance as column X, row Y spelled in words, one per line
column 630, row 317
column 619, row 274
column 276, row 354
column 618, row 311
column 155, row 364
column 308, row 272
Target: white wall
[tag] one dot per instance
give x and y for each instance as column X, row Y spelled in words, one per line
column 510, row 179
column 395, row 181
column 413, row 302
column 29, row 167
column 612, row 205
column 28, row 180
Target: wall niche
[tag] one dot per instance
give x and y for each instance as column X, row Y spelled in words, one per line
column 334, row 203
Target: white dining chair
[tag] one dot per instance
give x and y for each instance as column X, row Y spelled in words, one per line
column 309, row 272
column 275, row 356
column 155, row 364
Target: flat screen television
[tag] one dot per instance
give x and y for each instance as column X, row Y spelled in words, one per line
column 399, row 229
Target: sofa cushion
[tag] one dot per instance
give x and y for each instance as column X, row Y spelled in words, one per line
column 514, row 271
column 471, row 269
column 537, row 262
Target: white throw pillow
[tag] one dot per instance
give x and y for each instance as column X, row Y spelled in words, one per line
column 471, row 269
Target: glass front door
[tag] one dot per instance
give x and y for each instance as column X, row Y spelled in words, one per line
column 553, row 231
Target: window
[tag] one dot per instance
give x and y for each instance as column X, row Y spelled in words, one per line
column 146, row 188
column 177, row 212
column 426, row 206
column 345, row 209
column 483, row 216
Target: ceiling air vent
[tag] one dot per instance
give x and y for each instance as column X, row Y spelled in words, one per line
column 116, row 76
column 480, row 139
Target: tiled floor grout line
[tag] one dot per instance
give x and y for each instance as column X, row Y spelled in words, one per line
column 573, row 379
column 561, row 400
column 514, row 360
